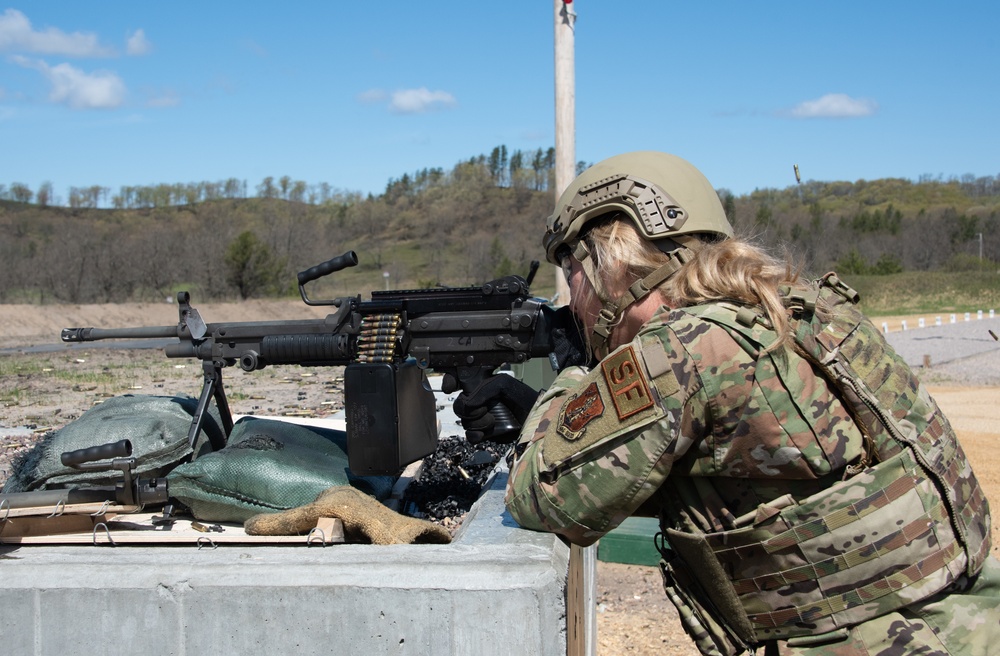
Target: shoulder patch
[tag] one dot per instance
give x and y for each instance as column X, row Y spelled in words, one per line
column 626, row 382
column 579, row 411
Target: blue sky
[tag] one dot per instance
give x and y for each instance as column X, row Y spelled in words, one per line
column 353, row 94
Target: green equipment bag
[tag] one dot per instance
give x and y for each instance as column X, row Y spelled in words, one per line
column 268, row 466
column 157, row 427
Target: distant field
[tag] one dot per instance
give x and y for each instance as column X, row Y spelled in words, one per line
column 889, row 299
column 922, row 293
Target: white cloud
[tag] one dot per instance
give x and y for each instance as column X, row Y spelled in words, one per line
column 79, row 90
column 138, row 44
column 167, row 99
column 416, row 101
column 372, row 96
column 835, row 105
column 17, row 35
column 256, row 48
column 408, row 101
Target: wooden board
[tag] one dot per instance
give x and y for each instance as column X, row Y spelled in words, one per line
column 137, row 528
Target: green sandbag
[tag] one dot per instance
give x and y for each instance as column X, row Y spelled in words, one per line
column 268, row 466
column 157, row 426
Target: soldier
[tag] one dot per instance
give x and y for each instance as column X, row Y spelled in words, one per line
column 812, row 497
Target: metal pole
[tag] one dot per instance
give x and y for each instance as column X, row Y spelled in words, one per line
column 980, row 247
column 565, row 82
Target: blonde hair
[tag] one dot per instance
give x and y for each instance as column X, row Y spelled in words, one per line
column 734, row 270
column 621, row 256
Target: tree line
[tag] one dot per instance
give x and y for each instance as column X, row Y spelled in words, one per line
column 534, row 170
column 481, row 219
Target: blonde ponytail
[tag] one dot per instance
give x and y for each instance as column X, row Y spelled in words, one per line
column 737, row 271
column 734, row 270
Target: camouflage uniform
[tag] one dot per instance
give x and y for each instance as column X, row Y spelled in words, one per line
column 796, row 518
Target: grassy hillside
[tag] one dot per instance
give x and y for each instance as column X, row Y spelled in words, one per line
column 933, row 244
column 918, row 292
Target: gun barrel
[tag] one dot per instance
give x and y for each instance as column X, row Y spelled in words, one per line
column 53, row 498
column 97, row 334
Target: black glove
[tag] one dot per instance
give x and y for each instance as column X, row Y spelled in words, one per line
column 506, row 396
column 568, row 347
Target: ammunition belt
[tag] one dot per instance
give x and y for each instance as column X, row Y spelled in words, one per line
column 378, row 339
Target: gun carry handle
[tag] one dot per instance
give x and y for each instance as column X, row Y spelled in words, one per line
column 119, row 449
column 348, row 259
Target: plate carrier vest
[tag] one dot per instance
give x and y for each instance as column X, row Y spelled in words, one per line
column 906, row 522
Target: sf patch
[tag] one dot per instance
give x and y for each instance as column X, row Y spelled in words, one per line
column 579, row 411
column 628, row 386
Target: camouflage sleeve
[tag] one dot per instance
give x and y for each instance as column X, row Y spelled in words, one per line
column 598, row 444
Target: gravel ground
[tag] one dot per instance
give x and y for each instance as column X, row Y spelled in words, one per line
column 962, row 353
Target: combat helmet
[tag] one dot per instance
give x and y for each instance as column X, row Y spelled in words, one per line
column 670, row 202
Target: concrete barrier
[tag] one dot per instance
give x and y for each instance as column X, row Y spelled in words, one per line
column 497, row 589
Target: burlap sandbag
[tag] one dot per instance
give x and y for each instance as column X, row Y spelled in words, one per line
column 157, row 427
column 268, row 466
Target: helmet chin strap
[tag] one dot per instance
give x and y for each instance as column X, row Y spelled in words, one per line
column 613, row 310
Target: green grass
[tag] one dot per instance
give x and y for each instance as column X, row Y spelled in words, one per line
column 11, row 396
column 13, row 370
column 920, row 292
column 14, row 365
column 63, row 369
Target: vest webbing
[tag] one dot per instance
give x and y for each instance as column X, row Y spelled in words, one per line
column 921, row 511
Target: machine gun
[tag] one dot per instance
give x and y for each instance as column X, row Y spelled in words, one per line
column 386, row 345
